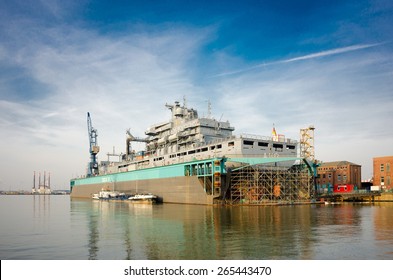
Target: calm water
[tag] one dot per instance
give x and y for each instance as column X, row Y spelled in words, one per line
column 57, row 227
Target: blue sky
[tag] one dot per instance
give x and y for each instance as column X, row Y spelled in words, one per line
column 291, row 63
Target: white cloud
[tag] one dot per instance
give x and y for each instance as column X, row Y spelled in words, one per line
column 347, row 98
column 124, row 82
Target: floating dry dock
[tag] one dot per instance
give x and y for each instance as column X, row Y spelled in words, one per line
column 197, row 160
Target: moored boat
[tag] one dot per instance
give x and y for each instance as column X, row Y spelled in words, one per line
column 144, row 198
column 106, row 194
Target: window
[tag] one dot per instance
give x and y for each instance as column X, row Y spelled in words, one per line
column 248, row 142
column 339, row 177
column 330, row 176
column 382, row 180
column 382, row 167
column 344, row 178
column 263, row 144
column 388, row 167
column 388, row 180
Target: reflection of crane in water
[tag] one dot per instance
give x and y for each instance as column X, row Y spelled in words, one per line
column 97, row 216
column 93, row 236
column 127, row 239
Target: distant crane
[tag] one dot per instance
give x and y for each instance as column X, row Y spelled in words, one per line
column 94, row 148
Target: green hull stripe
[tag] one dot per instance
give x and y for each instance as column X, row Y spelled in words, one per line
column 169, row 171
column 160, row 172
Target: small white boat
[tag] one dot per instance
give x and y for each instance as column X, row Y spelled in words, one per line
column 143, row 198
column 108, row 194
column 331, row 202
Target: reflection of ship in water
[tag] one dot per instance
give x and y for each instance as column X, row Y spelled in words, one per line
column 170, row 231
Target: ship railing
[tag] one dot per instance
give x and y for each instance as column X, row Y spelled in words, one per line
column 279, row 138
column 232, row 137
column 254, row 136
column 265, row 155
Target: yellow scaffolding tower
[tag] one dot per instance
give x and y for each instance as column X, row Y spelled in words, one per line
column 307, row 149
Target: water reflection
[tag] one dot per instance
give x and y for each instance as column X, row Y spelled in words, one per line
column 93, row 236
column 383, row 226
column 41, row 207
column 122, row 230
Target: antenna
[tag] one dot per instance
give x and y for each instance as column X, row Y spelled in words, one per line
column 184, row 102
column 209, row 109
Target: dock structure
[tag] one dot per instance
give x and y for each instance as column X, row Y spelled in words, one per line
column 358, row 195
column 270, row 185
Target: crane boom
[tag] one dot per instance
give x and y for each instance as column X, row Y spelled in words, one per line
column 93, row 148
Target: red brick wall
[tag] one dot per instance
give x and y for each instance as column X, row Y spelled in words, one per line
column 383, row 168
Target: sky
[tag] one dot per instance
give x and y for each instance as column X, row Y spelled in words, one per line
column 289, row 63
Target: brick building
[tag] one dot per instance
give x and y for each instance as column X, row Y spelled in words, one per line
column 383, row 172
column 338, row 173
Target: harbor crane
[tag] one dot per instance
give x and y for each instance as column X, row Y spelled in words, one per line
column 94, row 148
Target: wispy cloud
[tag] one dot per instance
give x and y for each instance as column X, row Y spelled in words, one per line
column 331, row 52
column 123, row 80
column 304, row 57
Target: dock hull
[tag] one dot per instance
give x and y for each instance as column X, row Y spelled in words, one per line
column 185, row 190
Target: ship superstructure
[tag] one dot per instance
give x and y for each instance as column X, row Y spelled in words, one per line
column 187, row 159
column 187, row 137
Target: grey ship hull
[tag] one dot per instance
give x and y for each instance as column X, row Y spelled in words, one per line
column 186, row 190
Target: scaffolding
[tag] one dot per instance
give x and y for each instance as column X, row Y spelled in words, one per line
column 307, row 148
column 263, row 184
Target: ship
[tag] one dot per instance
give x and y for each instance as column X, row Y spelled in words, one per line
column 188, row 159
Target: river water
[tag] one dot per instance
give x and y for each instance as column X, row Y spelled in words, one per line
column 61, row 228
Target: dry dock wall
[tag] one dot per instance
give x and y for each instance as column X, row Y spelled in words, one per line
column 385, row 197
